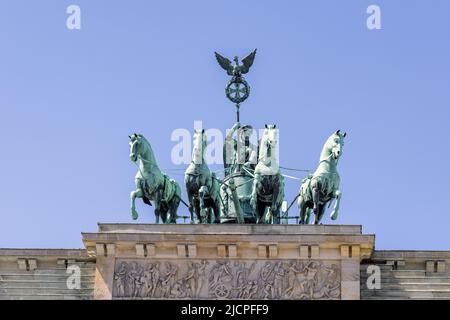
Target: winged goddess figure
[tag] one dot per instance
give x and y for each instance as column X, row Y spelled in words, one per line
column 236, row 70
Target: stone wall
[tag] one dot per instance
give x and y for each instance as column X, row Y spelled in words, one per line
column 46, row 274
column 138, row 261
column 407, row 275
column 228, row 261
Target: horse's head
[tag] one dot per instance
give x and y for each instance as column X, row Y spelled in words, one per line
column 270, row 137
column 268, row 151
column 199, row 146
column 135, row 146
column 335, row 143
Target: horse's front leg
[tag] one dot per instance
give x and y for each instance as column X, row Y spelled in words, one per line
column 274, row 207
column 203, row 209
column 307, row 214
column 316, row 201
column 260, row 211
column 254, row 195
column 334, row 213
column 133, row 195
column 216, row 209
column 191, row 206
column 301, row 210
column 157, row 201
column 187, row 183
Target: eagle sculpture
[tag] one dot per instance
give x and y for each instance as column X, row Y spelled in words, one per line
column 237, row 69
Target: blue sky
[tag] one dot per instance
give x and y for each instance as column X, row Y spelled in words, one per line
column 69, row 99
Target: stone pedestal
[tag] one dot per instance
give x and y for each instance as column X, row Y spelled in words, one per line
column 228, row 261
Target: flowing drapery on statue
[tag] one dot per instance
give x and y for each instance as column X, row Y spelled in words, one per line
column 151, row 183
column 321, row 187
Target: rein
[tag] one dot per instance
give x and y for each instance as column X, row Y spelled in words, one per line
column 328, row 158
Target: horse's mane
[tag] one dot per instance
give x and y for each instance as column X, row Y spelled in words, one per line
column 144, row 139
column 149, row 146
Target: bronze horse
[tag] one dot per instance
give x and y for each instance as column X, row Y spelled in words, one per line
column 151, row 183
column 202, row 185
column 268, row 184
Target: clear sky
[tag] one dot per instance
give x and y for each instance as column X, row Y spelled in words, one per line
column 69, row 99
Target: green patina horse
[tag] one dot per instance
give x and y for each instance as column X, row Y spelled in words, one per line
column 268, row 185
column 202, row 185
column 321, row 187
column 151, row 183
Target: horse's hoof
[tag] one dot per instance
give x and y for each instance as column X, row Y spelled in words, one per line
column 333, row 215
column 134, row 215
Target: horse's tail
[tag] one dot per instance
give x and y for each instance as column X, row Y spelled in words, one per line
column 215, row 186
column 146, row 200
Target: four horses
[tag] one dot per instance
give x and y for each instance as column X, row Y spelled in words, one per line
column 322, row 186
column 151, row 183
column 203, row 187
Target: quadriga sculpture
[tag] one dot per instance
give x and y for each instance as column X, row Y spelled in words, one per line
column 151, row 183
column 202, row 185
column 322, row 186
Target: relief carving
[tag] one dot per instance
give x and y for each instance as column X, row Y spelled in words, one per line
column 224, row 279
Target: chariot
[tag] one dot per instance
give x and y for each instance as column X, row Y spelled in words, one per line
column 240, row 186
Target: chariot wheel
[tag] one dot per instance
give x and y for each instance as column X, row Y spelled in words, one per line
column 222, row 291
